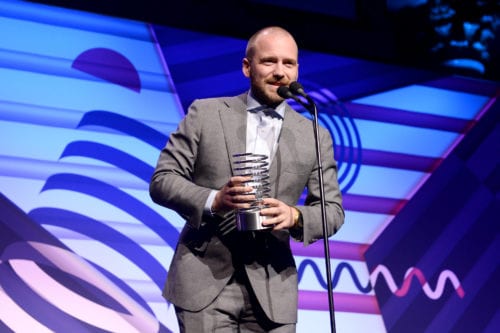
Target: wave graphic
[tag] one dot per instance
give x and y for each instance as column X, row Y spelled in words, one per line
column 50, row 287
column 46, row 287
column 106, row 192
column 336, row 118
column 336, row 276
column 381, row 270
column 413, row 272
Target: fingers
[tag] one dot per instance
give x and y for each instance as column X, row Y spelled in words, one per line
column 238, row 181
column 237, row 199
column 234, row 194
column 277, row 214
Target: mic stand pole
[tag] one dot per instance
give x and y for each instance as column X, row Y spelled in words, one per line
column 311, row 107
column 286, row 92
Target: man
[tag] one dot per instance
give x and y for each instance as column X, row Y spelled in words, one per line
column 222, row 279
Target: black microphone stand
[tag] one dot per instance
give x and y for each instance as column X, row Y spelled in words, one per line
column 314, row 112
column 311, row 107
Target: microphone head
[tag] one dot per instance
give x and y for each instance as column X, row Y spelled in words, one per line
column 296, row 88
column 284, row 91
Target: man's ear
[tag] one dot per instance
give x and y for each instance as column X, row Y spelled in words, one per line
column 245, row 68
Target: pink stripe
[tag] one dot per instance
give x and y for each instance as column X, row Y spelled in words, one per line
column 400, row 161
column 318, row 300
column 368, row 204
column 338, row 250
column 405, row 117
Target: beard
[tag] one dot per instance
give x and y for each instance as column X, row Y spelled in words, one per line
column 265, row 96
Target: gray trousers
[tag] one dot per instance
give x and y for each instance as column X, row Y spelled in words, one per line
column 235, row 310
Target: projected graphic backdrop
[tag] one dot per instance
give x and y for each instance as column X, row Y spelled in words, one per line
column 87, row 102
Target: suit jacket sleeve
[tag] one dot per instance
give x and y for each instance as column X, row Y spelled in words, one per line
column 299, row 132
column 176, row 182
column 311, row 212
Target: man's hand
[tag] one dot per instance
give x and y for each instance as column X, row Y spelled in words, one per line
column 233, row 195
column 278, row 214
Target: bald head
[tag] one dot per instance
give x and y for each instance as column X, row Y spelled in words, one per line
column 272, row 31
column 271, row 61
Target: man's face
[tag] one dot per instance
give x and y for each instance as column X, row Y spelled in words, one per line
column 274, row 64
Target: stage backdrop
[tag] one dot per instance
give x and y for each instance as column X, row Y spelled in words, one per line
column 87, row 102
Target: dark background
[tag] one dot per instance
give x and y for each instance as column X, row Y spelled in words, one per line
column 422, row 34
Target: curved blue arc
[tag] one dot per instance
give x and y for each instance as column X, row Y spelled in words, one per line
column 69, row 280
column 117, row 198
column 350, row 158
column 338, row 271
column 110, row 155
column 104, row 234
column 329, row 122
column 349, row 153
column 332, row 127
column 347, row 150
column 126, row 125
column 40, row 309
column 338, row 110
column 358, row 147
column 352, row 149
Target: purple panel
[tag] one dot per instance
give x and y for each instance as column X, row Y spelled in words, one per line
column 448, row 233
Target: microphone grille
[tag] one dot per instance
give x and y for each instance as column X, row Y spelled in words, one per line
column 284, row 92
column 296, row 87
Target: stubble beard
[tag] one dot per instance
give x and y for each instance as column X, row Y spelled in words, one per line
column 265, row 96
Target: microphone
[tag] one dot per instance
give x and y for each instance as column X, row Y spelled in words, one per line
column 297, row 89
column 292, row 92
column 286, row 93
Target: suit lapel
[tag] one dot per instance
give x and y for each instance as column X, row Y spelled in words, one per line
column 290, row 132
column 234, row 125
column 234, row 118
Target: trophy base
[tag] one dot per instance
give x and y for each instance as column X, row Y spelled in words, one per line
column 251, row 220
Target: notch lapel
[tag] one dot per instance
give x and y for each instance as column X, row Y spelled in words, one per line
column 234, row 124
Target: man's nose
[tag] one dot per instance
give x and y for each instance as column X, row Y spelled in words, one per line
column 279, row 70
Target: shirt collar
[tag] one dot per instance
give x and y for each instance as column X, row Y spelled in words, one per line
column 252, row 103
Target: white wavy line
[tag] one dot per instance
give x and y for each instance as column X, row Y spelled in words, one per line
column 432, row 294
column 381, row 269
column 445, row 275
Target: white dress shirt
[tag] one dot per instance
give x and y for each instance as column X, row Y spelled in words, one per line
column 270, row 128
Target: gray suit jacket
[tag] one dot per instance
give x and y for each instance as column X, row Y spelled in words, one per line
column 198, row 159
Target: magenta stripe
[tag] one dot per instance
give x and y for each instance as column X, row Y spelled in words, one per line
column 318, row 300
column 369, row 204
column 400, row 161
column 338, row 250
column 416, row 119
column 395, row 160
